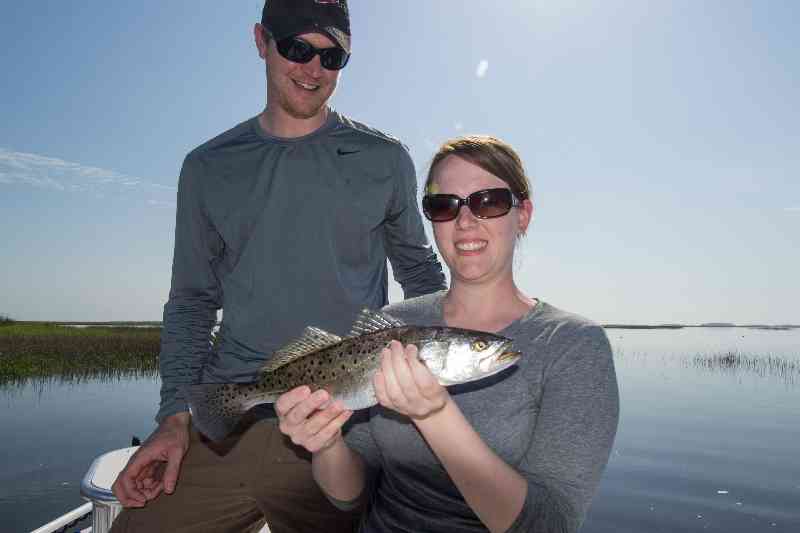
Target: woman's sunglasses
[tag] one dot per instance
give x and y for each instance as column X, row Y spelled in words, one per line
column 297, row 50
column 488, row 203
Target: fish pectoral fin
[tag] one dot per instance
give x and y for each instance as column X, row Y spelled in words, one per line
column 369, row 321
column 312, row 340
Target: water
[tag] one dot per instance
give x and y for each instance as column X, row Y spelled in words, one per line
column 53, row 431
column 703, row 444
column 703, row 447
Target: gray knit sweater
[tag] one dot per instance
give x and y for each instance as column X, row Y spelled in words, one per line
column 552, row 417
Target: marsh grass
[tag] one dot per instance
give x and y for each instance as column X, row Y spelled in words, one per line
column 732, row 362
column 52, row 352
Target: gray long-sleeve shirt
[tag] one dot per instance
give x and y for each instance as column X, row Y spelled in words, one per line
column 282, row 234
column 552, row 417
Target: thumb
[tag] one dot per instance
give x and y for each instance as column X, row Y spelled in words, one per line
column 140, row 460
column 172, row 471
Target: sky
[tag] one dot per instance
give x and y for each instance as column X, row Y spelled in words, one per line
column 662, row 140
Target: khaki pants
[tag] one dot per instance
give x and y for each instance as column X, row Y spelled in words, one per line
column 263, row 476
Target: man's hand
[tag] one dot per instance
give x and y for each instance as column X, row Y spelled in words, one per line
column 311, row 420
column 155, row 466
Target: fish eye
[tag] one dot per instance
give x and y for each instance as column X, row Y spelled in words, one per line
column 479, row 345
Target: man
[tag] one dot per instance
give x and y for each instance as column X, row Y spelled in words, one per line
column 284, row 221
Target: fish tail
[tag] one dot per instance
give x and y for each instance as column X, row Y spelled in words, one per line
column 210, row 416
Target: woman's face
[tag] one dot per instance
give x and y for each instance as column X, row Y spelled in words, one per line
column 475, row 249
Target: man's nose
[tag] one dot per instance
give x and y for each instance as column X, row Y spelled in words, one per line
column 314, row 67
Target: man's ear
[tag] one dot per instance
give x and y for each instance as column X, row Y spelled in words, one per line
column 261, row 39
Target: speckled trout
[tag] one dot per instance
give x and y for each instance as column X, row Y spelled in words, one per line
column 345, row 367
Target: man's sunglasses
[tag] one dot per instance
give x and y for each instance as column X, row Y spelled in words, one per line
column 488, row 203
column 297, row 50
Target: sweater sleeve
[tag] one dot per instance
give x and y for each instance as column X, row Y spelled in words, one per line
column 195, row 294
column 414, row 263
column 574, row 433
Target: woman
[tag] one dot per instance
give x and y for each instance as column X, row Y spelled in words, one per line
column 520, row 451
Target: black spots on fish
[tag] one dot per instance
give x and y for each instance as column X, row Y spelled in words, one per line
column 225, row 396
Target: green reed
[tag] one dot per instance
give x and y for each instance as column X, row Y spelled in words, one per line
column 47, row 351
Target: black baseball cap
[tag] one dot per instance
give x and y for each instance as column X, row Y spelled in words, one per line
column 287, row 18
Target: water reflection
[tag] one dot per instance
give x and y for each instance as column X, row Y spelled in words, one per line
column 77, row 377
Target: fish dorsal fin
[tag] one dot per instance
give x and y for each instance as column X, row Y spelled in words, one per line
column 371, row 321
column 310, row 341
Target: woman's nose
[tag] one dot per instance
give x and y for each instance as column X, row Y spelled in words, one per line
column 465, row 218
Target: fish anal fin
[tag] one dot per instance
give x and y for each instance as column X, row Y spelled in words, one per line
column 312, row 340
column 369, row 321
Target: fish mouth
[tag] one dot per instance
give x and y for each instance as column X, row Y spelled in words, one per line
column 508, row 356
column 498, row 362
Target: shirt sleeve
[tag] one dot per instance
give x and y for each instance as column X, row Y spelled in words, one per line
column 194, row 297
column 414, row 263
column 358, row 436
column 574, row 433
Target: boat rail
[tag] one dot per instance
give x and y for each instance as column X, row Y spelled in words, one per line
column 67, row 520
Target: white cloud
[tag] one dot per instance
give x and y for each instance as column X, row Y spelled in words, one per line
column 483, row 66
column 50, row 173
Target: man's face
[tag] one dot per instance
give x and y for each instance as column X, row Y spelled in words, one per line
column 302, row 90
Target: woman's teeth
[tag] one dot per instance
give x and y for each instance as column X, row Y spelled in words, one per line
column 471, row 246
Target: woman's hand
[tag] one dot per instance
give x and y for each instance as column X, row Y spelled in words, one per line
column 311, row 420
column 404, row 384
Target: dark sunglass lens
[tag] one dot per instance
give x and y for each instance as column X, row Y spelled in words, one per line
column 333, row 58
column 491, row 203
column 440, row 208
column 296, row 50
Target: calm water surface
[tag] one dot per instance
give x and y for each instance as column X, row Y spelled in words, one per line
column 703, row 444
column 704, row 447
column 52, row 432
